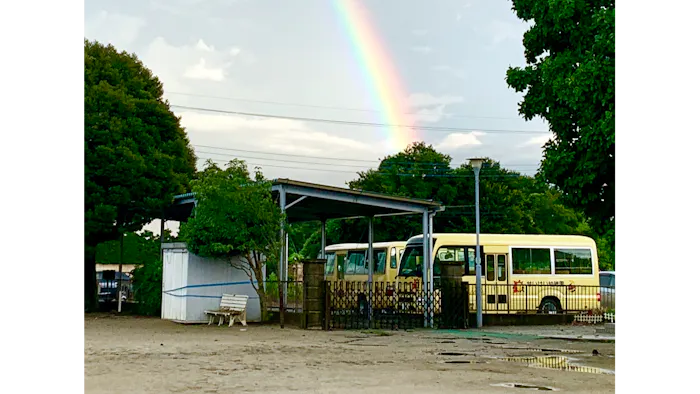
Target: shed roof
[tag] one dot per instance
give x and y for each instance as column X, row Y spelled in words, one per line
column 309, row 201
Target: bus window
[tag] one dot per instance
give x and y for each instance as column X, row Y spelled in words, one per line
column 355, row 264
column 379, row 261
column 449, row 254
column 392, row 264
column 490, row 274
column 471, row 254
column 532, row 261
column 501, row 267
column 573, row 261
column 330, row 263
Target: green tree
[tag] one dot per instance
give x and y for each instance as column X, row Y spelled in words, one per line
column 509, row 202
column 138, row 248
column 569, row 81
column 236, row 220
column 137, row 156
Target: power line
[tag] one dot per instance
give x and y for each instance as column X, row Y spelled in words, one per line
column 288, row 154
column 418, row 165
column 286, row 161
column 375, row 162
column 355, row 123
column 327, row 107
column 377, row 172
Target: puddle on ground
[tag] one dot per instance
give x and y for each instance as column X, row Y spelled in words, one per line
column 453, row 354
column 445, row 342
column 464, row 362
column 556, row 362
column 534, row 349
column 525, row 386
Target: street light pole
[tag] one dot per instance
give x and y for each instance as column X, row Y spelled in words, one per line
column 476, row 165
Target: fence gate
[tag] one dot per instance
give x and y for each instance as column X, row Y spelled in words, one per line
column 361, row 305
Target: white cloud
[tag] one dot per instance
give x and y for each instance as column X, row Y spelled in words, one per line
column 202, row 46
column 422, row 49
column 458, row 17
column 428, row 100
column 457, row 73
column 501, row 31
column 538, row 141
column 459, row 140
column 430, row 115
column 177, row 66
column 432, row 108
column 274, row 135
column 235, row 51
column 117, row 29
column 201, row 71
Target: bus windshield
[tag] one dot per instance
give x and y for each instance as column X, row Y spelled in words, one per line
column 412, row 262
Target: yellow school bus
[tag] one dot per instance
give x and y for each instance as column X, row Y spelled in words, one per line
column 520, row 273
column 347, row 269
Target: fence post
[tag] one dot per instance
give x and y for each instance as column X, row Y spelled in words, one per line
column 327, row 305
column 282, row 306
column 450, row 294
column 313, row 299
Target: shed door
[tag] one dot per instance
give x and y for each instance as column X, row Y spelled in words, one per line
column 174, row 281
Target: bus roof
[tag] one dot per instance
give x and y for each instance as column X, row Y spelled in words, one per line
column 335, row 247
column 509, row 239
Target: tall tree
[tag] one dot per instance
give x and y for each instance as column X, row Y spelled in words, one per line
column 509, row 201
column 137, row 156
column 236, row 220
column 569, row 81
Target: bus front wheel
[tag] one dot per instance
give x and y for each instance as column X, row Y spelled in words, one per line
column 550, row 305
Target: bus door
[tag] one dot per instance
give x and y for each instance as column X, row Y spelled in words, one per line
column 496, row 289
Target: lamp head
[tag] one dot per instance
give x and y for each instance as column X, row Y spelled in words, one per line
column 476, row 163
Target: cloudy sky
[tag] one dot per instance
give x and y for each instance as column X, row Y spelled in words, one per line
column 444, row 65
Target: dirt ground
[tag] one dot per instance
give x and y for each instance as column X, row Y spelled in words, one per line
column 147, row 355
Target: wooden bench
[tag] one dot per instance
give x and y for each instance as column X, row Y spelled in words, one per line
column 232, row 307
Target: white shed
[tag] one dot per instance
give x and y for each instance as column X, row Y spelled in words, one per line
column 193, row 284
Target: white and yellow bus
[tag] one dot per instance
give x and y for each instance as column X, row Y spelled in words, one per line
column 347, row 270
column 348, row 262
column 520, row 273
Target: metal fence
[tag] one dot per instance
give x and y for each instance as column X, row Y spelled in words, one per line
column 542, row 298
column 295, row 293
column 389, row 306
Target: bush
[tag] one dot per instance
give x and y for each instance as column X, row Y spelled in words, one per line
column 148, row 288
column 272, row 287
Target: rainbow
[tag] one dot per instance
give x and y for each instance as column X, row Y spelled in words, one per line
column 379, row 72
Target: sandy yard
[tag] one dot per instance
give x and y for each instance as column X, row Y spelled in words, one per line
column 147, row 355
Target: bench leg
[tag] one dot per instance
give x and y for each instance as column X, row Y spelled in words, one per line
column 242, row 318
column 221, row 319
column 211, row 319
column 231, row 320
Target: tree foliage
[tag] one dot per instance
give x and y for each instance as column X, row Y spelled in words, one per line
column 510, row 203
column 137, row 156
column 139, row 248
column 148, row 287
column 569, row 80
column 236, row 220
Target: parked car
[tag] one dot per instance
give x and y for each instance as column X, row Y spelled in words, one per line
column 107, row 283
column 607, row 289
